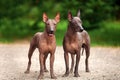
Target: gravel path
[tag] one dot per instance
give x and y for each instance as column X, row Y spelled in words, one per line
column 104, row 64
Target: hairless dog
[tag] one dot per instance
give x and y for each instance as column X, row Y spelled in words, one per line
column 75, row 39
column 46, row 43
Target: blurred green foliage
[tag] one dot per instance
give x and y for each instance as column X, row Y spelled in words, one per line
column 22, row 18
column 108, row 35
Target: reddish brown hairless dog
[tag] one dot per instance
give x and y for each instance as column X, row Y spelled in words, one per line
column 46, row 43
column 75, row 39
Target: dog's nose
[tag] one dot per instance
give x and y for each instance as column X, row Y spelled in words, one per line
column 81, row 30
column 51, row 32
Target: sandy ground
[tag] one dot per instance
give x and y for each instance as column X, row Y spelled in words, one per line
column 104, row 64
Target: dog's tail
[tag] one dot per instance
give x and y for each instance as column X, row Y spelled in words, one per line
column 83, row 49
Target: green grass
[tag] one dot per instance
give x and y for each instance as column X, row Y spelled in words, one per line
column 107, row 35
column 60, row 32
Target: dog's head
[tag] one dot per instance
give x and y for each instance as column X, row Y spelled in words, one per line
column 51, row 23
column 75, row 22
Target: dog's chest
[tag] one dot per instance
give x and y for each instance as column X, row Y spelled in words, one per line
column 47, row 46
column 72, row 45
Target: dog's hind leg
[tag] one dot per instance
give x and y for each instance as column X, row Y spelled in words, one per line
column 87, row 49
column 72, row 63
column 31, row 50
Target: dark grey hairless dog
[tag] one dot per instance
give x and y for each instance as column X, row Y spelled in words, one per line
column 75, row 39
column 46, row 43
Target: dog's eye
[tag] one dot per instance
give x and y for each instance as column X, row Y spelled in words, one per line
column 54, row 23
column 73, row 21
column 48, row 24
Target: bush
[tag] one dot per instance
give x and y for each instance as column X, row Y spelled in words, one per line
column 14, row 29
column 22, row 18
column 93, row 12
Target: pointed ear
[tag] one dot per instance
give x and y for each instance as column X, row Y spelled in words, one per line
column 69, row 16
column 78, row 14
column 57, row 18
column 45, row 18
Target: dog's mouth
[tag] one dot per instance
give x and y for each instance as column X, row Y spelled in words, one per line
column 81, row 30
column 51, row 33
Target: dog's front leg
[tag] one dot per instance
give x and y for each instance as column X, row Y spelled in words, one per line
column 51, row 66
column 66, row 57
column 76, row 74
column 41, row 58
column 72, row 63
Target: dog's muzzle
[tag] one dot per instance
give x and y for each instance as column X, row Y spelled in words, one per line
column 81, row 30
column 51, row 33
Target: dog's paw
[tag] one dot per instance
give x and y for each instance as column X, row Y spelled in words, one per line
column 76, row 75
column 87, row 70
column 27, row 72
column 71, row 71
column 65, row 75
column 45, row 70
column 40, row 77
column 53, row 77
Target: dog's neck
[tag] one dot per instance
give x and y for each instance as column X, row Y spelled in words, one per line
column 47, row 35
column 72, row 34
column 71, row 31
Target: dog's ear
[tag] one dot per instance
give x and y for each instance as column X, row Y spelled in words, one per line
column 78, row 13
column 45, row 18
column 70, row 16
column 57, row 18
